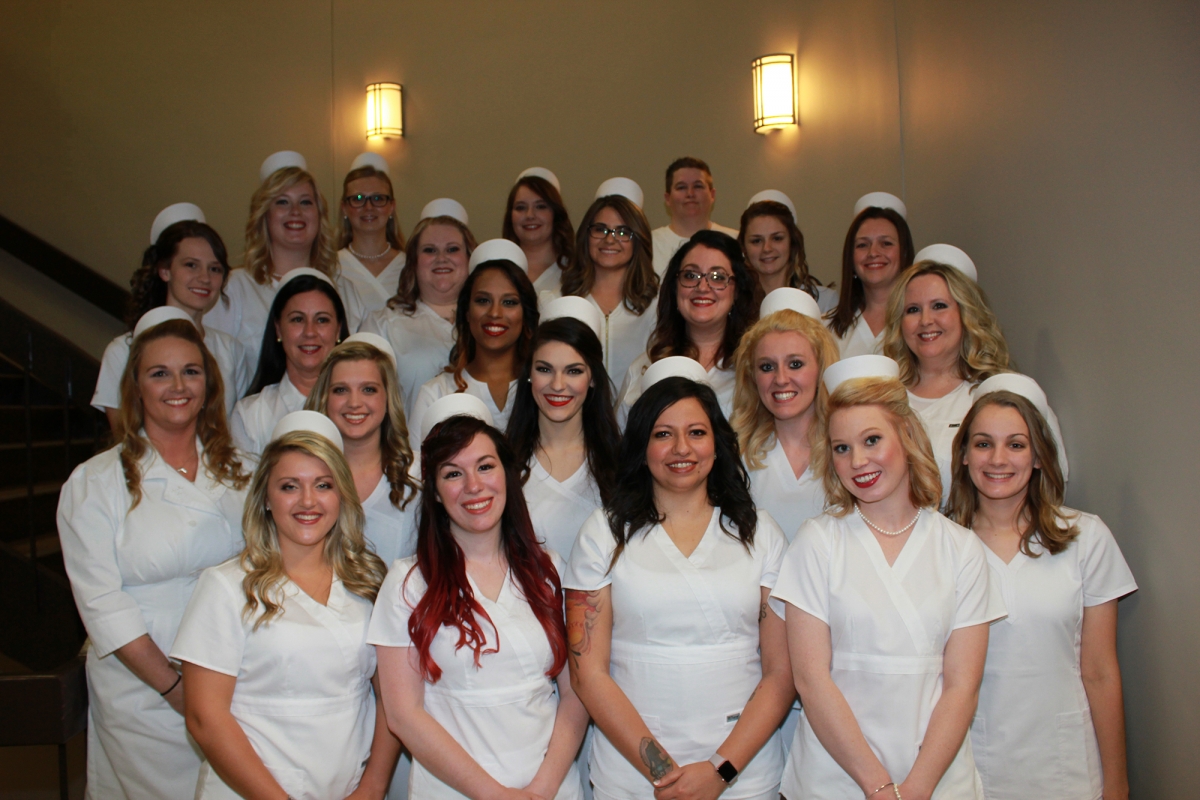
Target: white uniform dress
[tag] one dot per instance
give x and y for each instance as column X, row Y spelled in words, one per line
column 303, row 693
column 558, row 510
column 942, row 417
column 226, row 351
column 722, row 381
column 132, row 573
column 684, row 644
column 392, row 533
column 859, row 341
column 442, row 385
column 373, row 290
column 667, row 242
column 254, row 417
column 501, row 712
column 422, row 341
column 551, row 279
column 888, row 627
column 1033, row 733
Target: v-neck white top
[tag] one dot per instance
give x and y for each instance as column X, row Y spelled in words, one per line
column 859, row 341
column 391, row 532
column 551, row 279
column 255, row 416
column 722, row 381
column 373, row 290
column 443, row 384
column 502, row 711
column 422, row 341
column 684, row 643
column 790, row 500
column 558, row 510
column 888, row 626
column 303, row 693
column 1033, row 734
column 941, row 418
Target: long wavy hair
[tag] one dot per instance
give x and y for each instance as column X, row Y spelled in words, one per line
column 754, row 424
column 257, row 261
column 449, row 600
column 272, row 363
column 1042, row 513
column 219, row 457
column 393, row 433
column 795, row 272
column 463, row 351
column 852, row 299
column 640, row 285
column 600, row 430
column 632, row 508
column 983, row 351
column 924, row 481
column 563, row 235
column 670, row 336
column 345, row 550
column 146, row 289
column 408, row 292
column 395, row 237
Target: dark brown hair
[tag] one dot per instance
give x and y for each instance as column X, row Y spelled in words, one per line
column 852, row 299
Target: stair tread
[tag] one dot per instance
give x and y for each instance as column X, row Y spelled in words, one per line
column 39, row 489
column 8, row 446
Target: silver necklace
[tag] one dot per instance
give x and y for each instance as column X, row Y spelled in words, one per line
column 357, row 254
column 875, row 527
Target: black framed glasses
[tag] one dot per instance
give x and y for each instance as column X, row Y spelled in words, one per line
column 360, row 200
column 622, row 233
column 717, row 279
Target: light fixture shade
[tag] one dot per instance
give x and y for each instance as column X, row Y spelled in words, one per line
column 385, row 110
column 774, row 92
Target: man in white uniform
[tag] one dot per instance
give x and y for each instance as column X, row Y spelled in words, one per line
column 689, row 197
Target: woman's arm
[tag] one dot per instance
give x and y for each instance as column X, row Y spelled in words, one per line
column 589, row 640
column 385, row 751
column 143, row 658
column 1102, row 684
column 570, row 722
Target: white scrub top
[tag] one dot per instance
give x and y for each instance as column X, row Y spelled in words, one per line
column 684, row 643
column 226, row 351
column 132, row 573
column 827, row 299
column 789, row 500
column 558, row 510
column 667, row 242
column 859, row 341
column 254, row 417
column 888, row 626
column 442, row 385
column 722, row 381
column 303, row 693
column 502, row 712
column 373, row 290
column 551, row 279
column 1033, row 733
column 422, row 341
column 942, row 417
column 392, row 533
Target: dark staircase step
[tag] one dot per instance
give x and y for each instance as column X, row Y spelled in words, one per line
column 47, row 423
column 14, row 510
column 50, row 460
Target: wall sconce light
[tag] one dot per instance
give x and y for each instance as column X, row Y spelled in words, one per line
column 385, row 110
column 774, row 92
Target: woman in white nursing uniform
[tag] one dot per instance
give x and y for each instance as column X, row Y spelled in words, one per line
column 613, row 270
column 774, row 247
column 878, row 247
column 708, row 298
column 138, row 523
column 371, row 252
column 562, row 429
column 887, row 605
column 307, row 320
column 685, row 674
column 470, row 631
column 494, row 323
column 276, row 668
column 1051, row 720
column 184, row 268
column 946, row 340
column 288, row 228
column 419, row 320
column 536, row 219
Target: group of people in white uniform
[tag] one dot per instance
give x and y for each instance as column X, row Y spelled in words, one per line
column 595, row 512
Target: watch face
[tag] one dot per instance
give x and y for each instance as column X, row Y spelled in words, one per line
column 727, row 772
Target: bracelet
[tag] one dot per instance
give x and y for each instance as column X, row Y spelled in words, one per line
column 881, row 788
column 173, row 685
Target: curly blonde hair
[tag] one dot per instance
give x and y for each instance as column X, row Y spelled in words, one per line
column 346, row 551
column 257, row 260
column 393, row 434
column 983, row 351
column 220, row 458
column 408, row 292
column 754, row 424
column 924, row 481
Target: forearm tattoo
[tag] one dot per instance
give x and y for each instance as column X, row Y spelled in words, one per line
column 762, row 612
column 655, row 758
column 579, row 630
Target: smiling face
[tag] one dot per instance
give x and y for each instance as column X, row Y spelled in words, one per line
column 681, row 450
column 369, row 218
column 495, row 314
column 999, row 454
column 357, row 402
column 194, row 276
column 532, row 218
column 560, row 381
column 691, row 195
column 867, row 453
column 786, row 374
column 703, row 305
column 931, row 322
column 877, row 252
column 293, row 220
column 308, row 329
column 441, row 264
column 471, row 486
column 303, row 500
column 768, row 245
column 610, row 252
column 171, row 383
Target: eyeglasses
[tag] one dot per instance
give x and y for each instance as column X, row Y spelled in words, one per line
column 360, row 200
column 718, row 280
column 622, row 233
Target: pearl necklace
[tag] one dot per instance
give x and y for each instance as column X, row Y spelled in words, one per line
column 357, row 254
column 875, row 527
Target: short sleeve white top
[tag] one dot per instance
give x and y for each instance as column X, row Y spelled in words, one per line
column 373, row 290
column 422, row 341
column 391, row 532
column 442, row 385
column 684, row 643
column 667, row 242
column 254, row 417
column 1033, row 734
column 558, row 510
column 859, row 341
column 722, row 381
column 789, row 500
column 941, row 417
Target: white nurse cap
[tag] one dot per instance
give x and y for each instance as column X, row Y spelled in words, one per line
column 176, row 212
column 951, row 256
column 498, row 250
column 310, row 422
column 445, row 207
column 373, row 160
column 881, row 200
column 1028, row 388
column 870, row 366
column 673, row 367
column 157, row 316
column 797, row 300
column 281, row 160
column 775, row 196
column 375, row 340
column 572, row 307
column 543, row 173
column 299, row 271
column 453, row 405
column 624, row 187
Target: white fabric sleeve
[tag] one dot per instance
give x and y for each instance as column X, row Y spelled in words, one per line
column 351, row 301
column 976, row 599
column 429, row 392
column 239, row 430
column 212, row 633
column 376, row 322
column 587, row 569
column 402, row 589
column 1102, row 567
column 770, row 541
column 239, row 370
column 630, row 391
column 112, row 367
column 226, row 315
column 804, row 574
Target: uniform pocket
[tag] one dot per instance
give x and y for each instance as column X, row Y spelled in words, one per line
column 1072, row 767
column 293, row 781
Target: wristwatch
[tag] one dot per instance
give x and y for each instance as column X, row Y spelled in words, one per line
column 726, row 770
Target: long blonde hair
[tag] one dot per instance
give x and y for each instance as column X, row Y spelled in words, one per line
column 983, row 351
column 754, row 424
column 346, row 551
column 393, row 434
column 219, row 457
column 924, row 481
column 257, row 260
